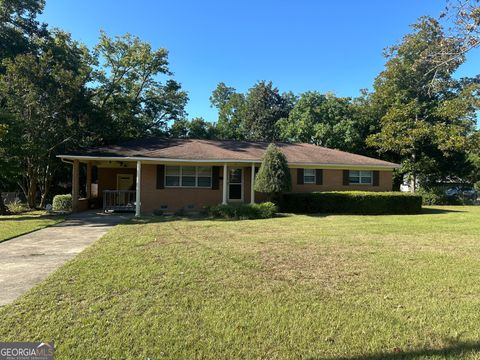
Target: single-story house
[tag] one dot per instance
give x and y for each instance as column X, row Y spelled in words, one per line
column 171, row 174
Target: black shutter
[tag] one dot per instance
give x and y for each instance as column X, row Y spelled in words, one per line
column 346, row 176
column 300, row 176
column 160, row 176
column 376, row 178
column 319, row 176
column 215, row 177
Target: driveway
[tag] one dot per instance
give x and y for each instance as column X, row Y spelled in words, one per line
column 28, row 259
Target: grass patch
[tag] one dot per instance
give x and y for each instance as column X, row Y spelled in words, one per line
column 325, row 287
column 15, row 225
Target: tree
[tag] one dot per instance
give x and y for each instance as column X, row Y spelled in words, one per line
column 252, row 116
column 324, row 120
column 130, row 94
column 273, row 177
column 229, row 104
column 264, row 107
column 423, row 126
column 197, row 128
column 43, row 93
column 18, row 24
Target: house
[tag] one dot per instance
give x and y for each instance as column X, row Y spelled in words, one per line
column 172, row 174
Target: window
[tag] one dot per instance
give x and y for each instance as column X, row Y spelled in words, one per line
column 360, row 177
column 172, row 176
column 204, row 176
column 188, row 176
column 309, row 176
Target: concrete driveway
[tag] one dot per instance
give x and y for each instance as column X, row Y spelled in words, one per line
column 28, row 259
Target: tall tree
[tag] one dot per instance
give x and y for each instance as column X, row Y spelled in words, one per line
column 422, row 125
column 197, row 128
column 18, row 25
column 130, row 91
column 230, row 105
column 324, row 120
column 264, row 107
column 44, row 92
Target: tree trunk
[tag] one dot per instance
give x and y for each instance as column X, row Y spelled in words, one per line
column 32, row 192
column 3, row 208
column 45, row 192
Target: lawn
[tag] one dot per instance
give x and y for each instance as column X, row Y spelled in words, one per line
column 14, row 225
column 310, row 287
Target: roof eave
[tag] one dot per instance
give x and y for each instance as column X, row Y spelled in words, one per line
column 250, row 161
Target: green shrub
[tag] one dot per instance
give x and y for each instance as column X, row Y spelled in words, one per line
column 17, row 207
column 476, row 186
column 158, row 212
column 436, row 196
column 243, row 211
column 62, row 203
column 353, row 202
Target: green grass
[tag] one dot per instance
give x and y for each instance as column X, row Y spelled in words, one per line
column 326, row 287
column 15, row 225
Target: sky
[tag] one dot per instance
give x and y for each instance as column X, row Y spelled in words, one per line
column 302, row 45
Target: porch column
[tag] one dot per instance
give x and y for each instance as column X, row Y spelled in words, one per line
column 89, row 179
column 224, row 184
column 252, row 186
column 75, row 184
column 138, row 187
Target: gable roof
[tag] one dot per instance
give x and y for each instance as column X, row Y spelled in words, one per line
column 224, row 150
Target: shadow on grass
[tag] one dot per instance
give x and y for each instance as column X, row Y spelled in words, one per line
column 425, row 211
column 27, row 217
column 455, row 350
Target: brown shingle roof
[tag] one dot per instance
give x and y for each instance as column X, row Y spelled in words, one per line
column 218, row 150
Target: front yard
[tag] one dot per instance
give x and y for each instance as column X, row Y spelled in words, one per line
column 326, row 287
column 15, row 225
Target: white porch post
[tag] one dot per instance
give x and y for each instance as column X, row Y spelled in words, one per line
column 138, row 187
column 224, row 184
column 252, row 186
column 75, row 184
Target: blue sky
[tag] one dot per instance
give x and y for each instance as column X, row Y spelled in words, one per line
column 299, row 45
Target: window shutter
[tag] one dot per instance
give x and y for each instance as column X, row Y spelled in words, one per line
column 319, row 176
column 346, row 175
column 215, row 177
column 300, row 176
column 376, row 178
column 160, row 176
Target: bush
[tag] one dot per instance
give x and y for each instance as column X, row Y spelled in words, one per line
column 476, row 186
column 436, row 196
column 243, row 211
column 17, row 207
column 353, row 202
column 62, row 203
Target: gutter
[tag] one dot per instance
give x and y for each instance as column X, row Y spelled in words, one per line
column 168, row 160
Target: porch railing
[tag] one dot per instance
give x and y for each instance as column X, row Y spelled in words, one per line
column 123, row 200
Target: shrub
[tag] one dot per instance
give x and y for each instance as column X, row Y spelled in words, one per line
column 353, row 202
column 17, row 207
column 273, row 177
column 158, row 212
column 243, row 211
column 62, row 203
column 476, row 186
column 436, row 196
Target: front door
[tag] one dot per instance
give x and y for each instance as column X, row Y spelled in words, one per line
column 235, row 184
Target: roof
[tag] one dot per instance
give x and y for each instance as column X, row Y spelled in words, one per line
column 225, row 150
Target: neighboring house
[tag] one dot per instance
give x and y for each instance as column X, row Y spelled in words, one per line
column 173, row 174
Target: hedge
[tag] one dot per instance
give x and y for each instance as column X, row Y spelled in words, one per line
column 243, row 211
column 352, row 202
column 62, row 203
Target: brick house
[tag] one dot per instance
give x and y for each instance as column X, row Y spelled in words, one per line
column 171, row 174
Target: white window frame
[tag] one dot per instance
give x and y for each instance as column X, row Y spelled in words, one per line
column 362, row 174
column 181, row 175
column 314, row 176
